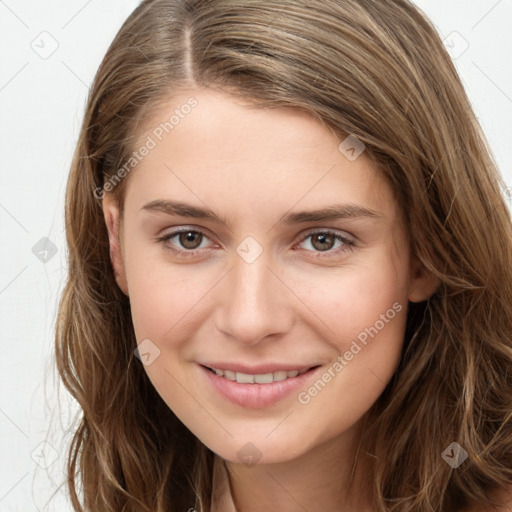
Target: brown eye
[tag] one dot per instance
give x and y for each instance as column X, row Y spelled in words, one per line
column 189, row 239
column 329, row 242
column 185, row 242
column 322, row 241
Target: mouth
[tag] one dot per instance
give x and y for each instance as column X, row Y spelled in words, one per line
column 256, row 390
column 258, row 378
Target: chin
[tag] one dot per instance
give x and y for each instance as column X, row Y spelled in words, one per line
column 258, row 449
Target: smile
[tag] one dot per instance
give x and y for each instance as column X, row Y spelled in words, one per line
column 256, row 390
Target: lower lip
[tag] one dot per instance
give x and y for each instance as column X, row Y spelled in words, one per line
column 257, row 396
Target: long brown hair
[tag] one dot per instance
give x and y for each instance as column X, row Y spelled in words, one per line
column 373, row 68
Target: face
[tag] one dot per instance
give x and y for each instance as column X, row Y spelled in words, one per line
column 226, row 266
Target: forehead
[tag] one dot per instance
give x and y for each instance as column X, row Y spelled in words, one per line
column 223, row 151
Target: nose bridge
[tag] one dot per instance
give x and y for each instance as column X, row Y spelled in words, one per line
column 254, row 303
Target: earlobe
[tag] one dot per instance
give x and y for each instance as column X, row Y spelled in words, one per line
column 422, row 283
column 112, row 221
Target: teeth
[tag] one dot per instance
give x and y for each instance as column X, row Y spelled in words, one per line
column 281, row 375
column 264, row 378
column 245, row 378
column 261, row 378
column 229, row 374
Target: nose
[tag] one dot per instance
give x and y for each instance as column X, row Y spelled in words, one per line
column 255, row 304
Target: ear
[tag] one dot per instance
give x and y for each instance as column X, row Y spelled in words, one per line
column 113, row 223
column 422, row 283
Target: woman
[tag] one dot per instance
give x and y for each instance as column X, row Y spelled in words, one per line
column 289, row 268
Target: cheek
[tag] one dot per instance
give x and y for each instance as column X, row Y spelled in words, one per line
column 164, row 297
column 347, row 300
column 366, row 312
column 162, row 303
column 165, row 303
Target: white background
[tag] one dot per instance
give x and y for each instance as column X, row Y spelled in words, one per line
column 41, row 105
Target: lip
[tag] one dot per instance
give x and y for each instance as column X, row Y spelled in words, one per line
column 256, row 396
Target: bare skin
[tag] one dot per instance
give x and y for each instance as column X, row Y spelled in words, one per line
column 302, row 301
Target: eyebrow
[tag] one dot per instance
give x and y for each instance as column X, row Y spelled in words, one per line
column 338, row 211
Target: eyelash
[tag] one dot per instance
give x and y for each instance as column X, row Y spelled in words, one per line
column 348, row 244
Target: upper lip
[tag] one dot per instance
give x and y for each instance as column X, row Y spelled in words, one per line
column 258, row 369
